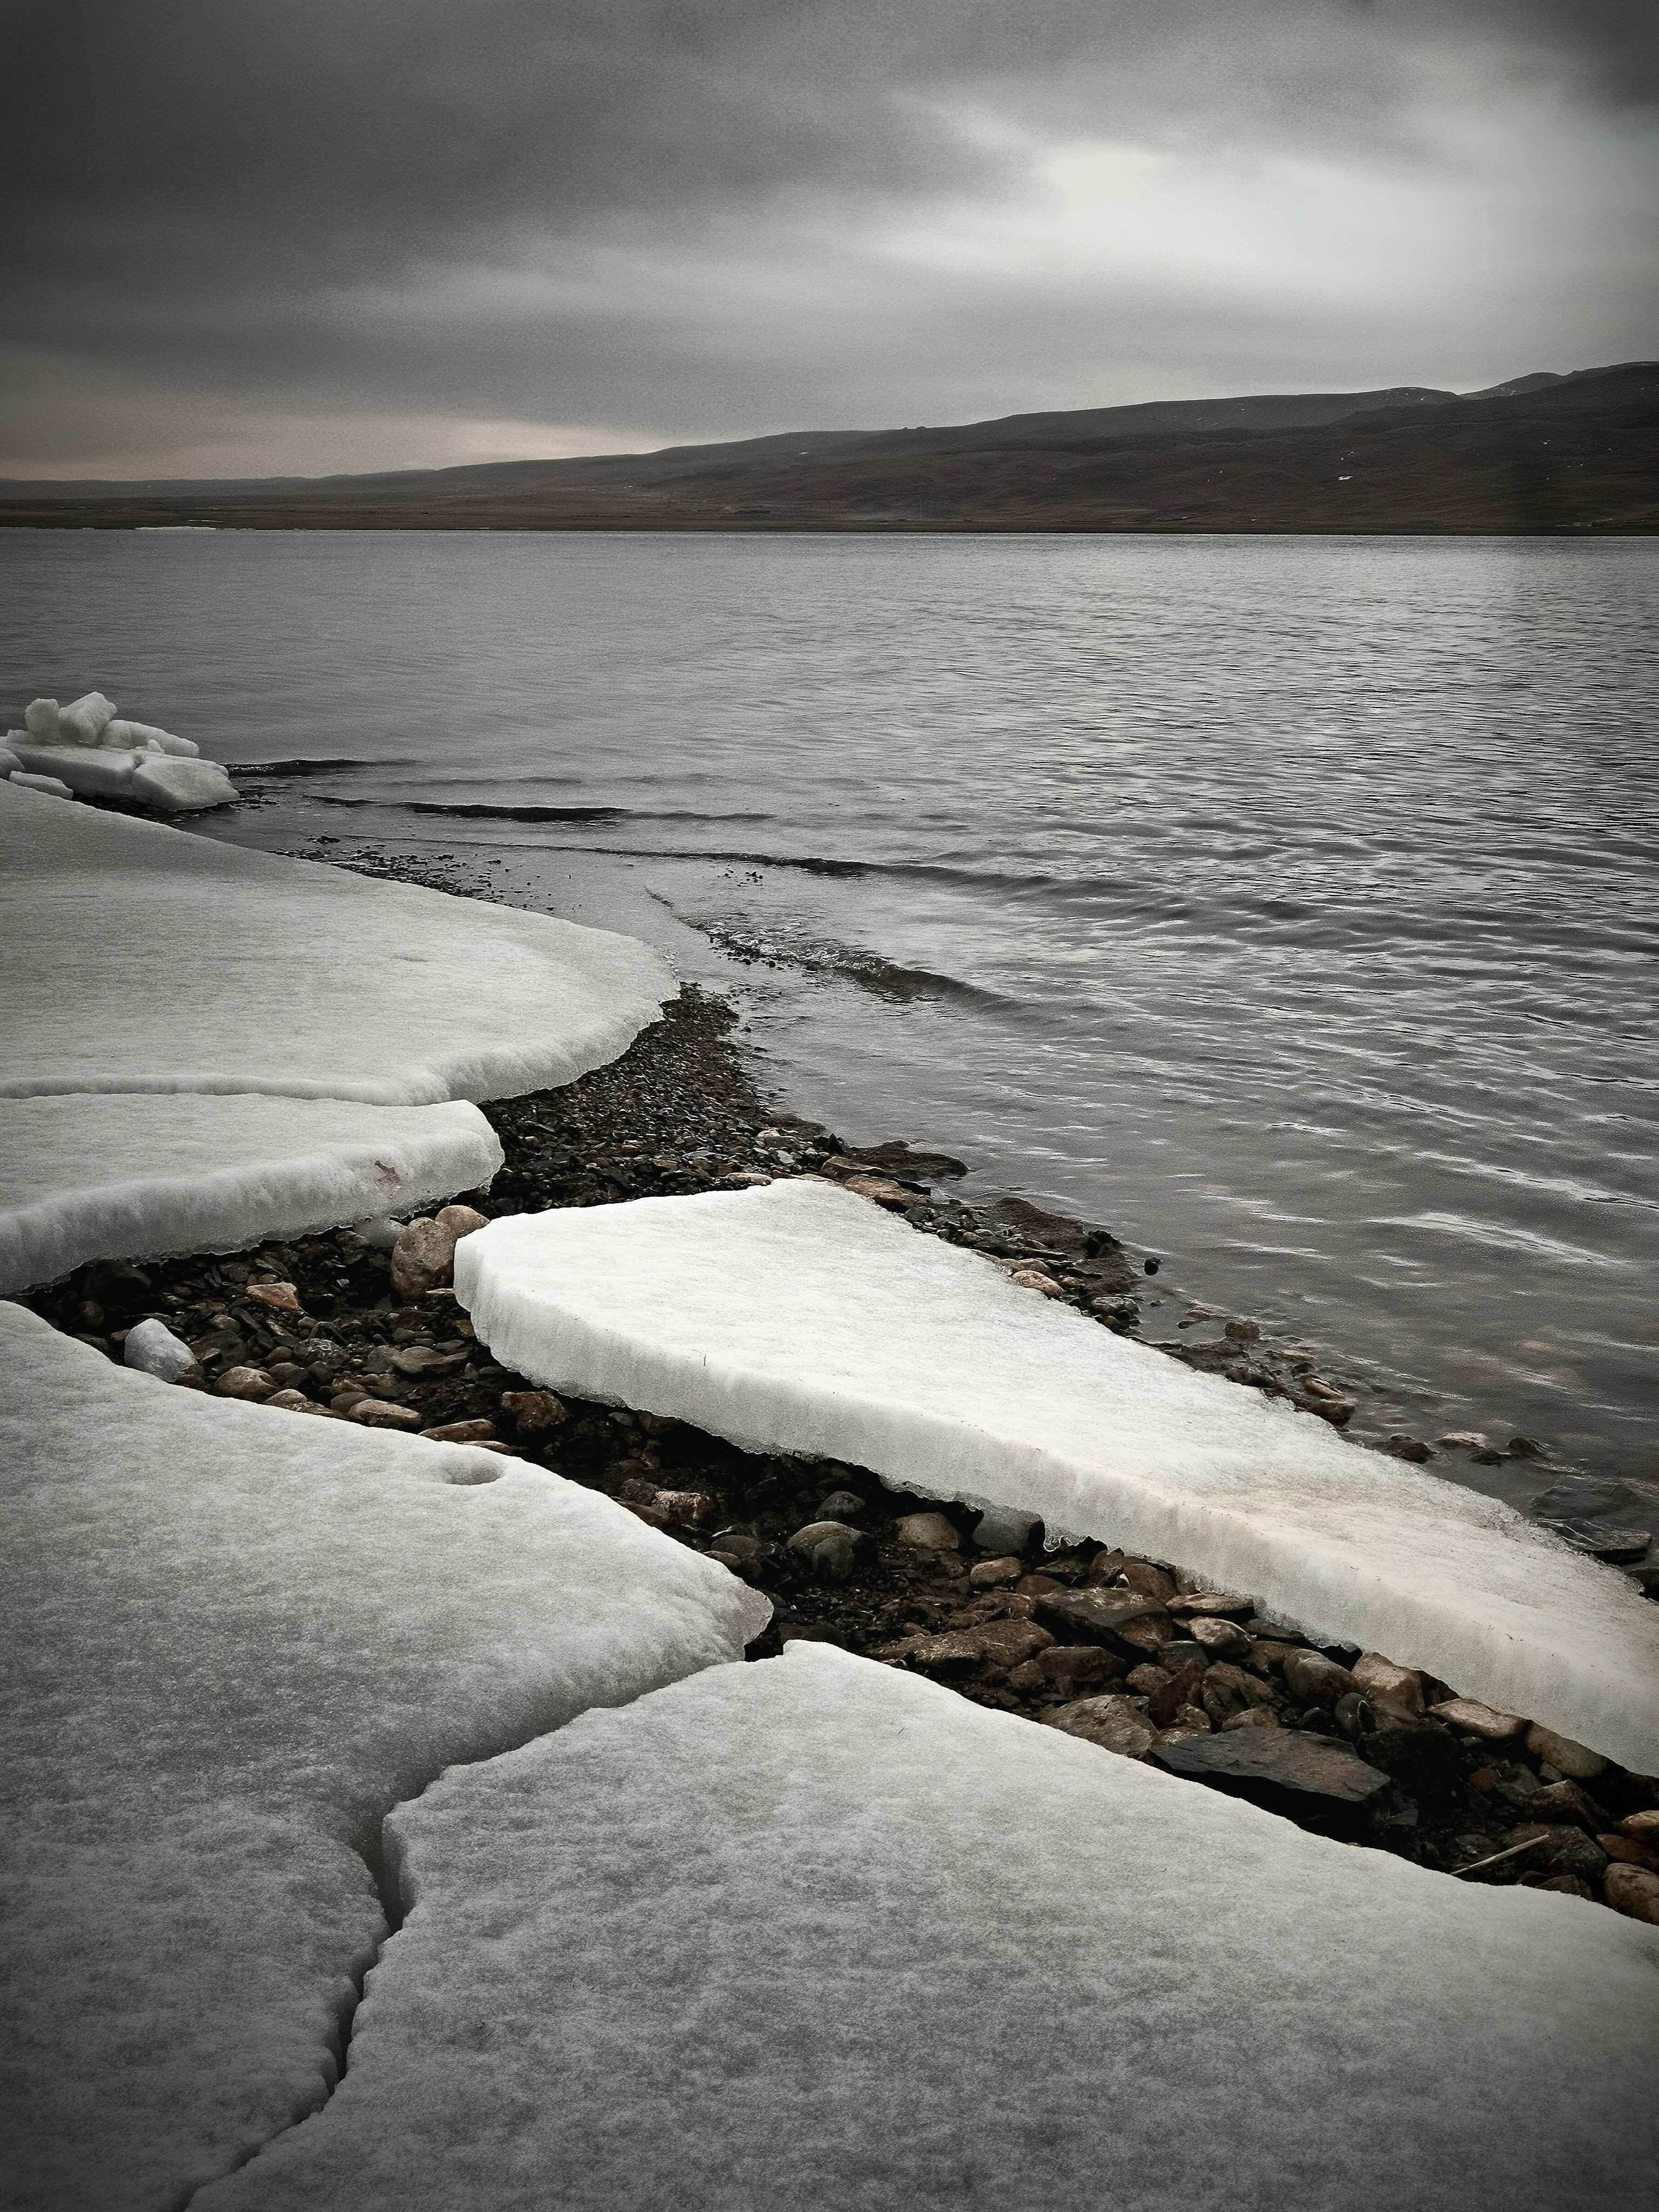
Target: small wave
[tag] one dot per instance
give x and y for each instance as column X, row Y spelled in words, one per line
column 495, row 810
column 813, row 863
column 818, row 955
column 324, row 766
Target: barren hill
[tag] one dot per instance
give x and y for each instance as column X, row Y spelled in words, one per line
column 1575, row 453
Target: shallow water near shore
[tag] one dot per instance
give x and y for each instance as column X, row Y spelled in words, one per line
column 1287, row 904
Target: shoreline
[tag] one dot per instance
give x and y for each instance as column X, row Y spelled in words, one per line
column 316, row 1326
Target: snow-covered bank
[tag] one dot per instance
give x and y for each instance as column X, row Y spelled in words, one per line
column 142, row 959
column 235, row 1640
column 98, row 1176
column 798, row 1317
column 812, row 1934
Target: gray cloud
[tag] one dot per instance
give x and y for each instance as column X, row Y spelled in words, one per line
column 380, row 231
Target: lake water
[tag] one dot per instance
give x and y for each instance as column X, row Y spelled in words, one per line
column 1287, row 904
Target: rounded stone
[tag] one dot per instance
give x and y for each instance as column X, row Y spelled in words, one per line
column 1633, row 1891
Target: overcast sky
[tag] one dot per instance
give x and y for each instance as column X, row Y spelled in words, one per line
column 271, row 236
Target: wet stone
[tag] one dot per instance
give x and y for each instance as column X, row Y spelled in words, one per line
column 1633, row 1891
column 532, row 1411
column 1278, row 1769
column 252, row 1382
column 1111, row 1723
column 1313, row 1679
column 926, row 1532
column 1560, row 1751
column 1478, row 1720
column 1096, row 1616
column 1564, row 1801
column 994, row 1574
column 1385, row 1684
column 1559, row 1850
column 1071, row 1667
column 1218, row 1639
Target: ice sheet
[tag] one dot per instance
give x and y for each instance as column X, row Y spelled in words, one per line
column 94, row 772
column 179, row 785
column 141, row 958
column 96, row 1175
column 140, row 733
column 235, row 1638
column 814, row 1935
column 798, row 1317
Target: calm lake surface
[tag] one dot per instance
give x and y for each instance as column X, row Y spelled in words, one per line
column 1288, row 904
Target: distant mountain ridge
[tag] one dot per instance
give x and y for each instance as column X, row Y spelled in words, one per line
column 1551, row 453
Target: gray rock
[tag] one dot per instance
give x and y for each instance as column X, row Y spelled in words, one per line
column 1313, row 1680
column 1385, row 1684
column 422, row 1257
column 1188, row 1722
column 1220, row 1640
column 477, row 1431
column 1150, row 1581
column 153, row 1349
column 1071, row 1666
column 831, row 1548
column 957, row 1651
column 1099, row 1616
column 926, row 1532
column 1561, row 1851
column 1210, row 1605
column 1011, row 1643
column 1633, row 1891
column 382, row 1414
column 1478, row 1720
column 417, row 1360
column 1568, row 1758
column 1278, row 1769
column 1146, row 1680
column 841, row 1505
column 252, row 1383
column 1178, row 1693
column 294, row 1401
column 1111, row 1723
column 1564, row 1801
column 1001, row 1530
column 532, row 1411
column 994, row 1574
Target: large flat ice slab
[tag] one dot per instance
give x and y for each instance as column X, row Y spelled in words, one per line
column 233, row 1639
column 798, row 1317
column 815, row 1934
column 100, row 1175
column 142, row 959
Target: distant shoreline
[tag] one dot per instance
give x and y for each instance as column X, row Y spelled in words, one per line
column 1578, row 459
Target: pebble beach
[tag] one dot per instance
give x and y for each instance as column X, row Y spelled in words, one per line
column 1133, row 1656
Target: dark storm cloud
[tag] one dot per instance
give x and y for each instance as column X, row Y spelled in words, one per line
column 644, row 217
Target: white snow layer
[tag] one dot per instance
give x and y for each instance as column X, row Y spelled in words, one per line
column 140, row 958
column 234, row 1638
column 96, row 1175
column 798, row 1317
column 816, row 1934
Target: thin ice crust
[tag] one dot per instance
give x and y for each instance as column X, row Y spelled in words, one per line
column 812, row 1934
column 98, row 1177
column 235, row 1638
column 141, row 958
column 798, row 1317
